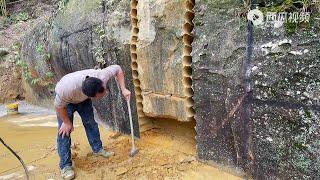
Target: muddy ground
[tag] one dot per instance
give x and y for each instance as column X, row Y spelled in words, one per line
column 167, row 151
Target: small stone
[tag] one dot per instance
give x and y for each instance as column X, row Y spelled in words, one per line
column 74, row 154
column 121, row 170
column 115, row 135
column 75, row 145
column 3, row 51
column 188, row 159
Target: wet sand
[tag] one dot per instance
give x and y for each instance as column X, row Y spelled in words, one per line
column 167, row 151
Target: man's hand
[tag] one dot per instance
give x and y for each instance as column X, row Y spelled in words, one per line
column 65, row 129
column 126, row 93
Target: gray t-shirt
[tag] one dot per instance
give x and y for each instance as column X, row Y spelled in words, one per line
column 69, row 88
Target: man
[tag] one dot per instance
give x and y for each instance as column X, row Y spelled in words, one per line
column 74, row 93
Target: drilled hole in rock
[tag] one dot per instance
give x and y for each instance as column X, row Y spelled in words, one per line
column 135, row 30
column 135, row 74
column 187, row 27
column 189, row 15
column 134, row 39
column 189, row 5
column 191, row 119
column 137, row 90
column 189, row 91
column 187, row 60
column 134, row 3
column 136, row 82
column 134, row 21
column 134, row 56
column 139, row 105
column 140, row 112
column 133, row 47
column 191, row 112
column 139, row 98
column 134, row 65
column 187, row 50
column 187, row 39
column 187, row 71
column 187, row 81
column 190, row 102
column 192, row 2
column 134, row 12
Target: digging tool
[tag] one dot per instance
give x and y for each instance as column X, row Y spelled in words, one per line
column 134, row 150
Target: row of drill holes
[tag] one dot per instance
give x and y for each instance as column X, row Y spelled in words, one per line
column 135, row 30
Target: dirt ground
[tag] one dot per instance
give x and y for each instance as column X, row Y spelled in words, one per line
column 167, row 151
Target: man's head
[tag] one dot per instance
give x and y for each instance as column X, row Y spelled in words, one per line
column 93, row 87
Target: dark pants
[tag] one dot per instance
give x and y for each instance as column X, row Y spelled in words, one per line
column 85, row 111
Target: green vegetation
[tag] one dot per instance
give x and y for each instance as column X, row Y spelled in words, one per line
column 3, row 8
column 98, row 49
column 31, row 74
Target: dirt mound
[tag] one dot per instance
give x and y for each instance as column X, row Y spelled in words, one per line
column 10, row 82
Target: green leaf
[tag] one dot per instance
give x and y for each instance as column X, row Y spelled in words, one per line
column 49, row 74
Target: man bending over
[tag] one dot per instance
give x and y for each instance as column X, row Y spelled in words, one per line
column 74, row 93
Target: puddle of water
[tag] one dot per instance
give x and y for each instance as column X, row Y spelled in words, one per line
column 25, row 108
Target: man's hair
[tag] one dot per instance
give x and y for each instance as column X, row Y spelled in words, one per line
column 91, row 86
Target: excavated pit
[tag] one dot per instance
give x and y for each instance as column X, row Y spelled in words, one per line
column 163, row 81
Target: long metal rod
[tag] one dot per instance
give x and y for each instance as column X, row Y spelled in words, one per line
column 131, row 124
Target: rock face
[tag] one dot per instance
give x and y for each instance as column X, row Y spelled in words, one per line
column 85, row 34
column 162, row 57
column 256, row 93
column 10, row 82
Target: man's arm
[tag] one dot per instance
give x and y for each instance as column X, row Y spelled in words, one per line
column 120, row 78
column 62, row 112
column 66, row 126
column 115, row 70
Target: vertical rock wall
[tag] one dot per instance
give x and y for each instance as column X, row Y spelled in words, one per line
column 256, row 93
column 85, row 34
